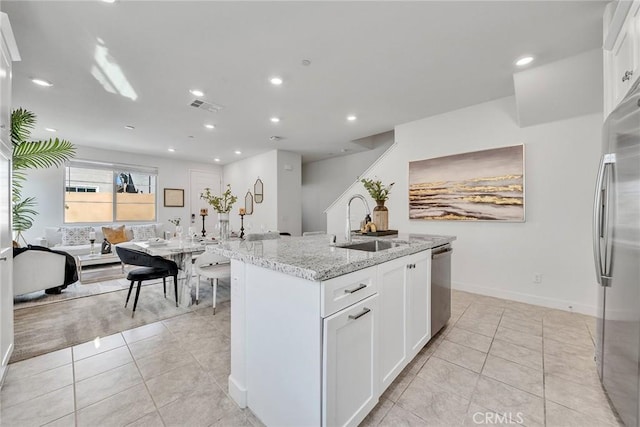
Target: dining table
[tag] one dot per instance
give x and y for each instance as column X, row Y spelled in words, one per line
column 182, row 252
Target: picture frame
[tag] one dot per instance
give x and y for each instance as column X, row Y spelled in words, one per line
column 173, row 198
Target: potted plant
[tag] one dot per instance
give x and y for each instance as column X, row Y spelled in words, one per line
column 221, row 204
column 30, row 155
column 379, row 193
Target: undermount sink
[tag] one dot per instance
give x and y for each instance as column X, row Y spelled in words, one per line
column 373, row 245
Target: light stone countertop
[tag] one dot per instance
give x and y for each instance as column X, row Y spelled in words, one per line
column 313, row 258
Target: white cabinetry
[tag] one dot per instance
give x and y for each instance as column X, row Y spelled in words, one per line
column 8, row 53
column 404, row 286
column 350, row 353
column 621, row 53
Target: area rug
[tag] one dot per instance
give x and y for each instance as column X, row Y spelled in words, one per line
column 49, row 327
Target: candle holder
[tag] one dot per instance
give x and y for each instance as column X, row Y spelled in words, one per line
column 242, row 226
column 203, row 215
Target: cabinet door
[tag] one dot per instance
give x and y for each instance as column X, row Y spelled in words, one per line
column 349, row 375
column 6, row 260
column 392, row 289
column 624, row 58
column 419, row 301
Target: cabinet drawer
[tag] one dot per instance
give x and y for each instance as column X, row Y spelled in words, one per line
column 343, row 291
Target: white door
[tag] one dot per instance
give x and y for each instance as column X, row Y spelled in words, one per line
column 199, row 180
column 419, row 300
column 393, row 319
column 349, row 375
column 6, row 262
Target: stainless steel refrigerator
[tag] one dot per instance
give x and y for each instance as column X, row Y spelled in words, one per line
column 616, row 241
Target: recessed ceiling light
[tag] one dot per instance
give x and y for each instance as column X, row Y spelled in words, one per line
column 275, row 119
column 196, row 92
column 525, row 60
column 216, row 159
column 51, row 130
column 238, row 152
column 276, row 81
column 171, row 150
column 351, row 118
column 41, row 82
column 209, row 126
column 109, row 1
column 129, row 127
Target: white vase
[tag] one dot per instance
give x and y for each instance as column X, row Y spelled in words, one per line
column 223, row 221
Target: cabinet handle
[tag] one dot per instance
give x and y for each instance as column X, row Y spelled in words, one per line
column 411, row 266
column 350, row 291
column 4, row 258
column 359, row 315
column 627, row 75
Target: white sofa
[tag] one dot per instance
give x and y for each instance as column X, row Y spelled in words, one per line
column 53, row 239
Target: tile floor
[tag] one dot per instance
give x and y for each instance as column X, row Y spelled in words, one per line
column 533, row 366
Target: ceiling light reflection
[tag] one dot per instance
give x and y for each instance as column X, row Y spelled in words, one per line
column 109, row 74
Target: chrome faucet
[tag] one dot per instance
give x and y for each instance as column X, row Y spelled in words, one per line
column 347, row 230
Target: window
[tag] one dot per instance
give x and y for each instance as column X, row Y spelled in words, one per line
column 101, row 192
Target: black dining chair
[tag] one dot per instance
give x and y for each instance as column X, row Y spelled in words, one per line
column 153, row 267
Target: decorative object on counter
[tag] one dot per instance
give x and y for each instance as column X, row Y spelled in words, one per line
column 248, row 203
column 485, row 185
column 380, row 194
column 173, row 197
column 92, row 240
column 192, row 234
column 222, row 204
column 242, row 213
column 176, row 222
column 106, row 247
column 258, row 190
column 203, row 213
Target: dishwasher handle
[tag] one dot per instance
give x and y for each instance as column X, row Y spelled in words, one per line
column 443, row 252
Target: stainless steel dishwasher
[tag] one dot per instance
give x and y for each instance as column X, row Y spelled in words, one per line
column 440, row 287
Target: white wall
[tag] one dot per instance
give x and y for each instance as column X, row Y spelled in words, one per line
column 324, row 180
column 47, row 185
column 500, row 259
column 290, row 192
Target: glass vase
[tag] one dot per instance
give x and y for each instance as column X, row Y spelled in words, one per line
column 223, row 222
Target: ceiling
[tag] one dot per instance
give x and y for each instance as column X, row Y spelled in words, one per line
column 134, row 62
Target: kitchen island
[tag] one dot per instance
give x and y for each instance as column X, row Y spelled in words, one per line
column 318, row 332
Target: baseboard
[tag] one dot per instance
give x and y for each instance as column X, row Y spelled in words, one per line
column 237, row 393
column 527, row 298
column 5, row 364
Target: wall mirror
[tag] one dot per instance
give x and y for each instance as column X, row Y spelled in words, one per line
column 258, row 191
column 248, row 203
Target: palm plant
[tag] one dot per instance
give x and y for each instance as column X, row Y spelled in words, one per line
column 30, row 155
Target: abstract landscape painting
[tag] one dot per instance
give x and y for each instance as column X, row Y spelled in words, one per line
column 485, row 185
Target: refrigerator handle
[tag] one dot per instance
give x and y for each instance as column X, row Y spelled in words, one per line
column 600, row 228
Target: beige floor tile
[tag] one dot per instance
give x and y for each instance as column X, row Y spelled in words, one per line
column 150, row 420
column 579, row 370
column 449, row 377
column 434, row 405
column 40, row 410
column 560, row 416
column 479, row 416
column 588, row 400
column 400, row 417
column 217, row 364
column 253, row 420
column 469, row 339
column 181, row 324
column 479, row 310
column 102, row 362
column 153, row 345
column 106, row 384
column 482, row 327
column 66, row 421
column 377, row 414
column 202, row 407
column 28, row 388
column 573, row 336
column 146, row 331
column 398, row 386
column 515, row 375
column 518, row 338
column 420, row 359
column 38, row 364
column 461, row 355
column 504, row 399
column 159, row 363
column 178, row 383
column 517, row 354
column 566, row 350
column 118, row 410
column 524, row 326
column 98, row 345
column 197, row 338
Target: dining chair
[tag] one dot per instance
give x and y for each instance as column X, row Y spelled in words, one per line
column 152, row 267
column 262, row 236
column 213, row 267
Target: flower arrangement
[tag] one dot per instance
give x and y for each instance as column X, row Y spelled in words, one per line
column 376, row 190
column 175, row 221
column 221, row 204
